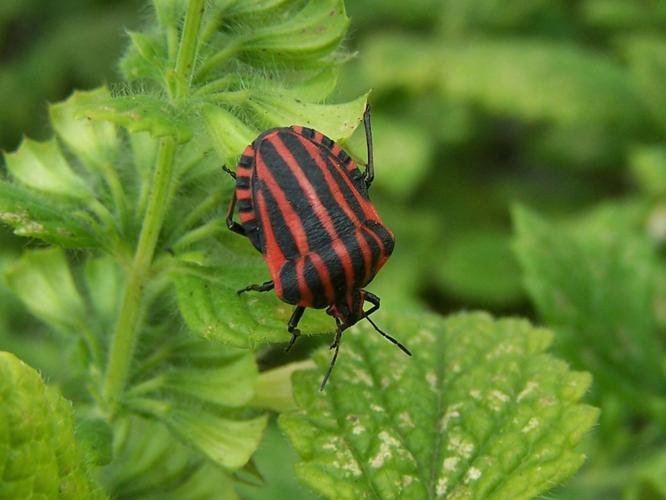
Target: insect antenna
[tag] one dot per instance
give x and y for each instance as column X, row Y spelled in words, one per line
column 336, row 344
column 387, row 336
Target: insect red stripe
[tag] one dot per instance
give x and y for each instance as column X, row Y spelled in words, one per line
column 325, row 276
column 379, row 242
column 272, row 249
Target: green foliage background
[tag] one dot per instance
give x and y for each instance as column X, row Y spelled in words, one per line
column 521, row 161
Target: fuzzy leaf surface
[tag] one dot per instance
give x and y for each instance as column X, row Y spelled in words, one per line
column 140, row 113
column 42, row 166
column 480, row 411
column 43, row 282
column 39, row 456
column 33, row 215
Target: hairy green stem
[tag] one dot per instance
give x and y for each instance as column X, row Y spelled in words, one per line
column 129, row 319
column 125, row 334
column 188, row 45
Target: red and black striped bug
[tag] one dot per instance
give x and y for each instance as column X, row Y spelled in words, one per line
column 303, row 203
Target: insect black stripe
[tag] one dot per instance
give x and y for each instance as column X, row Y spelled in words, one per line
column 308, row 132
column 281, row 231
column 245, row 206
column 387, row 240
column 245, row 161
column 289, row 281
column 242, row 182
column 343, row 157
column 315, row 282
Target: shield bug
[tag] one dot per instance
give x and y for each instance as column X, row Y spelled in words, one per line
column 303, row 203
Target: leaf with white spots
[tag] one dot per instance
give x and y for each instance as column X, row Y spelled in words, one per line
column 479, row 411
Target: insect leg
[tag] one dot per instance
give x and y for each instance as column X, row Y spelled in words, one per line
column 370, row 169
column 336, row 346
column 231, row 223
column 374, row 300
column 292, row 324
column 264, row 287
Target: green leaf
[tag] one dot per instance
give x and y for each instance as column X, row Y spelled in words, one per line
column 105, row 283
column 258, row 65
column 138, row 113
column 32, row 215
column 229, row 383
column 336, row 121
column 618, row 14
column 93, row 141
column 573, row 90
column 647, row 62
column 42, row 166
column 310, row 32
column 228, row 134
column 227, row 442
column 151, row 464
column 212, row 308
column 459, row 17
column 39, row 456
column 199, row 389
column 42, row 280
column 479, row 266
column 648, row 166
column 479, row 411
column 275, row 459
column 95, row 435
column 595, row 284
column 71, row 190
column 274, row 390
column 403, row 152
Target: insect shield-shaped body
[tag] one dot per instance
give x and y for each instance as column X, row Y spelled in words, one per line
column 303, row 203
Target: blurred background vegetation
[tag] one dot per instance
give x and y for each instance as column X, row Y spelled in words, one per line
column 478, row 106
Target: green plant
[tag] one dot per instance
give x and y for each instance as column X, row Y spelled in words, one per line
column 135, row 275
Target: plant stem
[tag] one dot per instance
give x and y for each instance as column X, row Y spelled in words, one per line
column 188, row 45
column 125, row 334
column 127, row 328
